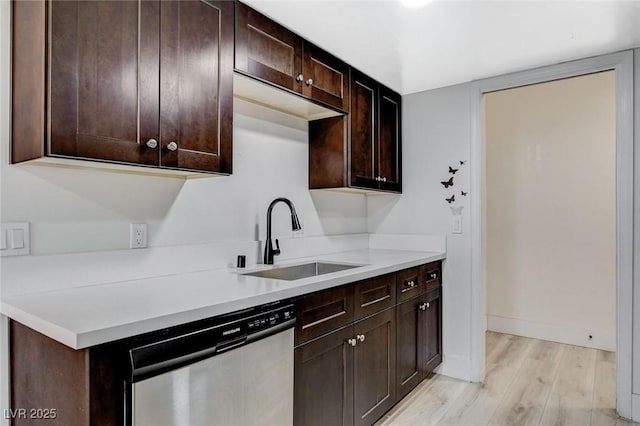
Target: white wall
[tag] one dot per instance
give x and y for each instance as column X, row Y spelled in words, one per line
column 550, row 210
column 436, row 126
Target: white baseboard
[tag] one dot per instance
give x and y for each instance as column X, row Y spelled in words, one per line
column 571, row 335
column 635, row 407
column 456, row 367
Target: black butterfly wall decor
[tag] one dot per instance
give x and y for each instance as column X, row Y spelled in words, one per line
column 462, row 162
column 452, row 171
column 450, row 200
column 464, row 194
column 448, row 183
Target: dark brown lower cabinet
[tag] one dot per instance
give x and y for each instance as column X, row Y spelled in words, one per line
column 57, row 385
column 378, row 352
column 374, row 367
column 409, row 372
column 431, row 333
column 347, row 377
column 419, row 336
column 323, row 380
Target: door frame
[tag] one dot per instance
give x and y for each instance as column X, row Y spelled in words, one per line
column 622, row 64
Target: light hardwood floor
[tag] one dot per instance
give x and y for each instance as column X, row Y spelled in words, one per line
column 527, row 382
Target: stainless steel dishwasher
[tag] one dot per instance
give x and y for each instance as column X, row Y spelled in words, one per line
column 236, row 372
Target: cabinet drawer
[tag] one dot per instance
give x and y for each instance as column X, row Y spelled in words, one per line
column 322, row 312
column 409, row 284
column 374, row 295
column 431, row 276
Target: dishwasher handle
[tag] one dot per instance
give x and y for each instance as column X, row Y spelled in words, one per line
column 230, row 344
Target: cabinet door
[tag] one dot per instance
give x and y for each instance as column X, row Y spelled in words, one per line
column 103, row 76
column 374, row 367
column 326, row 78
column 196, row 85
column 408, row 369
column 431, row 323
column 388, row 149
column 323, row 380
column 267, row 50
column 363, row 132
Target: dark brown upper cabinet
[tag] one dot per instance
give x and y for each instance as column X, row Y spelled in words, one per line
column 138, row 83
column 268, row 51
column 363, row 150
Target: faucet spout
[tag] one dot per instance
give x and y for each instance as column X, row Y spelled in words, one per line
column 269, row 251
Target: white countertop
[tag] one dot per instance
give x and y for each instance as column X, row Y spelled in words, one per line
column 87, row 316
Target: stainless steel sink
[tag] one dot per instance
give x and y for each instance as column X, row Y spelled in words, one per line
column 306, row 270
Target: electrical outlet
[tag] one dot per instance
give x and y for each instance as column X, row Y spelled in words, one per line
column 138, row 235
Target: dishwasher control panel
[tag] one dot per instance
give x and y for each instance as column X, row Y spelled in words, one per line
column 269, row 319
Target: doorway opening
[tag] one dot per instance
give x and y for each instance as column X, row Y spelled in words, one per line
column 550, row 234
column 620, row 67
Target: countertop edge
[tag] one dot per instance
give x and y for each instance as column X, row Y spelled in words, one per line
column 85, row 339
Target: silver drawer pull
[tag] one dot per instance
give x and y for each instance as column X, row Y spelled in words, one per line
column 352, row 342
column 172, row 146
column 152, row 143
column 360, row 337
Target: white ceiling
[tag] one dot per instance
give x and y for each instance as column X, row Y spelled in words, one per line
column 448, row 42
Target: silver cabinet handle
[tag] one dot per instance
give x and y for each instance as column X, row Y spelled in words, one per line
column 299, row 78
column 428, row 305
column 411, row 284
column 352, row 342
column 172, row 146
column 434, row 276
column 384, row 179
column 152, row 143
column 423, row 307
column 360, row 337
column 309, row 82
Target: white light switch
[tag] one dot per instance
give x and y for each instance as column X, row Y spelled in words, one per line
column 456, row 225
column 15, row 238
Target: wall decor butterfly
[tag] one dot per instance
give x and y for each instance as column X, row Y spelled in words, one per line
column 456, row 210
column 452, row 170
column 450, row 200
column 462, row 162
column 448, row 183
column 464, row 194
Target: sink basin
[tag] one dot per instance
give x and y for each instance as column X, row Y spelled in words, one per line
column 306, row 270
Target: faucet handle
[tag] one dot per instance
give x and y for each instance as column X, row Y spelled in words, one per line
column 276, row 251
